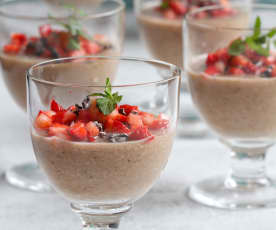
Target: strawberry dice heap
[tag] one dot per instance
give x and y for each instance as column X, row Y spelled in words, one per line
column 173, row 9
column 247, row 63
column 86, row 123
column 52, row 43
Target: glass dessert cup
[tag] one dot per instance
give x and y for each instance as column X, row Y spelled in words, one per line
column 231, row 80
column 49, row 32
column 117, row 157
column 162, row 31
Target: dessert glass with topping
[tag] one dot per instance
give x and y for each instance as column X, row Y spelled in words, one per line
column 100, row 148
column 161, row 23
column 233, row 85
column 54, row 32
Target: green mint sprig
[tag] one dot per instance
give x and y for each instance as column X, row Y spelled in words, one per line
column 165, row 4
column 258, row 42
column 73, row 27
column 108, row 100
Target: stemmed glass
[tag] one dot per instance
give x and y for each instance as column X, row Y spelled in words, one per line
column 162, row 35
column 26, row 19
column 231, row 74
column 102, row 179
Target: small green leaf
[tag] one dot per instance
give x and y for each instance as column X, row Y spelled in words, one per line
column 165, row 5
column 257, row 27
column 73, row 44
column 108, row 101
column 237, row 47
column 272, row 33
column 264, row 51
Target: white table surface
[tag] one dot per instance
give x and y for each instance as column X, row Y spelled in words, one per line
column 164, row 207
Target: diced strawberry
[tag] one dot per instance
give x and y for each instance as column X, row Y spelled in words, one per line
column 236, row 71
column 273, row 71
column 100, row 38
column 127, row 109
column 43, row 120
column 239, row 61
column 159, row 124
column 59, row 130
column 91, row 47
column 94, row 112
column 84, row 116
column 178, row 7
column 92, row 129
column 69, row 116
column 77, row 53
column 223, row 55
column 119, row 127
column 270, row 60
column 140, row 133
column 115, row 115
column 135, row 121
column 78, row 131
column 250, row 68
column 169, row 14
column 12, row 48
column 56, row 107
column 45, row 30
column 19, row 39
column 91, row 139
column 211, row 59
column 147, row 118
column 220, row 65
column 33, row 38
column 212, row 70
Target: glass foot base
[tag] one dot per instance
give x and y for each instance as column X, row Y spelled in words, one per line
column 100, row 217
column 28, row 176
column 216, row 192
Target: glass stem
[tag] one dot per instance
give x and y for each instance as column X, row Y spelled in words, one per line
column 248, row 168
column 100, row 217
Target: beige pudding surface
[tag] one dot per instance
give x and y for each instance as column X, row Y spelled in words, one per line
column 14, row 70
column 237, row 107
column 163, row 36
column 102, row 172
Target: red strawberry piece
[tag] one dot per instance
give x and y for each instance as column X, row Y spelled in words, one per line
column 178, row 7
column 77, row 53
column 211, row 59
column 220, row 65
column 223, row 55
column 250, row 68
column 159, row 124
column 11, row 48
column 212, row 70
column 119, row 127
column 56, row 107
column 19, row 39
column 45, row 30
column 147, row 118
column 60, row 130
column 236, row 71
column 239, row 61
column 91, row 47
column 273, row 71
column 140, row 133
column 92, row 129
column 43, row 120
column 169, row 14
column 78, row 131
column 135, row 121
column 84, row 115
column 127, row 109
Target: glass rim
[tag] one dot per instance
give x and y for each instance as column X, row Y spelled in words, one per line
column 121, row 6
column 88, row 85
column 189, row 16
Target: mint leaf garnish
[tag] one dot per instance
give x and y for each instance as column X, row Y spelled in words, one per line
column 237, row 47
column 73, row 27
column 257, row 42
column 107, row 101
column 165, row 5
